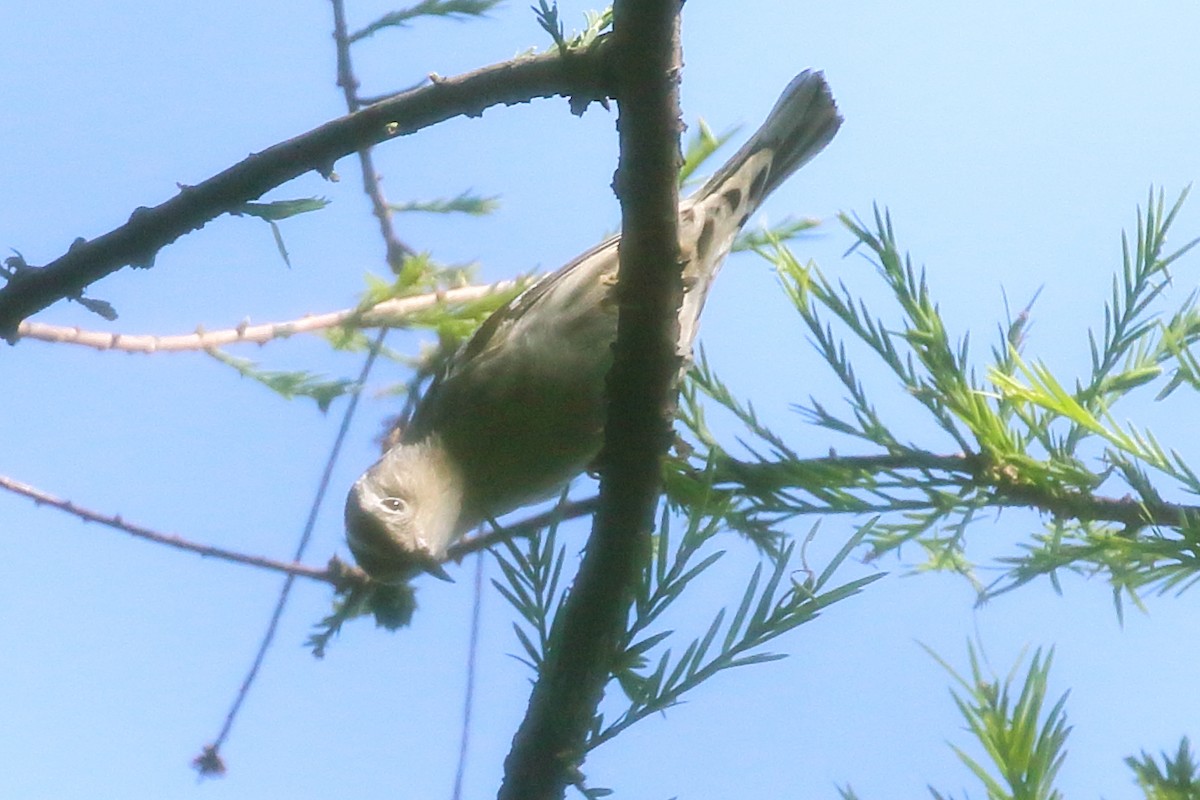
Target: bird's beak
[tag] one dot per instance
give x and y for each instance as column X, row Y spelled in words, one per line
column 438, row 571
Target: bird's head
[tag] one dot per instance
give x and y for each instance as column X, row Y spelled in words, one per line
column 405, row 511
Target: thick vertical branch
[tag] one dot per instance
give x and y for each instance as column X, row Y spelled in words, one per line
column 549, row 746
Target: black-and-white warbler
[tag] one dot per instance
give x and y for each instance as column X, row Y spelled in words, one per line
column 519, row 410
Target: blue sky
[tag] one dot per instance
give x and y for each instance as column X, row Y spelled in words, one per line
column 1011, row 144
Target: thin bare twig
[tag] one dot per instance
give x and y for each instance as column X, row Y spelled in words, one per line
column 211, row 752
column 336, row 573
column 171, row 540
column 396, row 250
column 527, row 527
column 464, row 741
column 390, row 312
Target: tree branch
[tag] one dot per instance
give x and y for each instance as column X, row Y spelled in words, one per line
column 337, row 572
column 752, row 477
column 171, row 540
column 587, row 634
column 841, row 475
column 579, row 75
column 396, row 250
column 390, row 312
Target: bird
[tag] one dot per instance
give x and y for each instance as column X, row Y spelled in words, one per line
column 518, row 410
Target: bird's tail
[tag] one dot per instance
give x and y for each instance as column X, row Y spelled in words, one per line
column 798, row 127
column 802, row 122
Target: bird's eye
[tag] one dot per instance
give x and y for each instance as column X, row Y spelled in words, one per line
column 394, row 504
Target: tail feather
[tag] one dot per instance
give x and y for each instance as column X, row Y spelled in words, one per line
column 803, row 121
column 799, row 126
